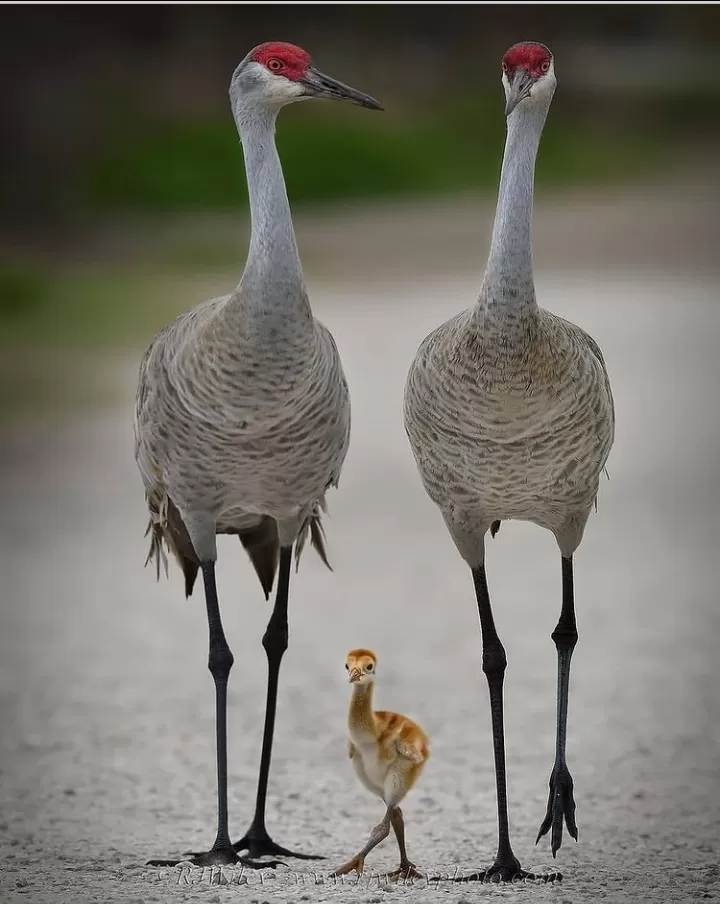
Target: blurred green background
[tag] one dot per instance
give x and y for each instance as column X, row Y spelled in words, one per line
column 123, row 190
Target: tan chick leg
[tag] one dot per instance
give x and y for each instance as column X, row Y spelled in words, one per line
column 407, row 869
column 357, row 863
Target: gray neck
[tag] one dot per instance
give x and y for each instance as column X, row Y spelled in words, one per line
column 508, row 290
column 273, row 270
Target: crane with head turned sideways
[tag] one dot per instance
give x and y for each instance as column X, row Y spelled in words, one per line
column 242, row 417
column 510, row 416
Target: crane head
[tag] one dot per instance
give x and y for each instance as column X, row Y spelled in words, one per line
column 276, row 73
column 528, row 73
column 360, row 665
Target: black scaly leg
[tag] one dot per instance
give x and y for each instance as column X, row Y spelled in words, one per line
column 506, row 867
column 494, row 662
column 220, row 660
column 561, row 804
column 275, row 641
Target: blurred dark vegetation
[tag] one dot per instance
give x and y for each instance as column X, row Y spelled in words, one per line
column 119, row 115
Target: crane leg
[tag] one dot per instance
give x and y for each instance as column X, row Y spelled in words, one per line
column 506, row 867
column 561, row 805
column 494, row 661
column 220, row 660
column 256, row 840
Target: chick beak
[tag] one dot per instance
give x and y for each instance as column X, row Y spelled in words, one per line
column 355, row 675
column 520, row 87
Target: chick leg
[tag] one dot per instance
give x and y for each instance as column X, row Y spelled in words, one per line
column 378, row 834
column 407, row 869
column 397, row 784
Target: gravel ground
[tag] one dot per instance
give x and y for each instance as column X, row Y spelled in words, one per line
column 107, row 707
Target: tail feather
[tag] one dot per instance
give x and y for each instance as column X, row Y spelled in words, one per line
column 313, row 527
column 190, row 569
column 157, row 551
column 262, row 544
column 168, row 532
column 495, row 528
column 263, row 548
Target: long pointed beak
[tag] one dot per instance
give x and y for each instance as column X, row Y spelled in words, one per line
column 355, row 675
column 318, row 85
column 520, row 87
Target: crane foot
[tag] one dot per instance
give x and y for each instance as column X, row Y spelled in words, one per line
column 501, row 873
column 217, row 856
column 262, row 845
column 561, row 806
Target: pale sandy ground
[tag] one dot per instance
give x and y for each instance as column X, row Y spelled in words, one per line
column 107, row 706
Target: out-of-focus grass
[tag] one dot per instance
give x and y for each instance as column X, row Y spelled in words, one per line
column 171, row 165
column 100, row 307
column 64, row 334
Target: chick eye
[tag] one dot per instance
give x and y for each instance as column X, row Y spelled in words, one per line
column 347, row 668
column 274, row 65
column 370, row 668
column 545, row 66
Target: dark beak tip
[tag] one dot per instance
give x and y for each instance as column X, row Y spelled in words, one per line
column 323, row 86
column 365, row 101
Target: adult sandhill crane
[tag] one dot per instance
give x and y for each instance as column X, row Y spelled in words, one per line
column 242, row 416
column 509, row 414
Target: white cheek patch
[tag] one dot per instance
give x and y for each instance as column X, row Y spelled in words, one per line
column 275, row 89
column 546, row 84
column 280, row 90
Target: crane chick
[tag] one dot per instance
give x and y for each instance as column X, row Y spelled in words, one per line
column 388, row 752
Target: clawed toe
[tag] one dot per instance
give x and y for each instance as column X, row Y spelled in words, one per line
column 261, row 845
column 405, row 872
column 561, row 806
column 355, row 865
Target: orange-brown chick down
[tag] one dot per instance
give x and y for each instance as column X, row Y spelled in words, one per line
column 388, row 751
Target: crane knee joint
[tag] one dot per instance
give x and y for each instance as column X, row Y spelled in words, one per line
column 220, row 661
column 564, row 637
column 494, row 662
column 275, row 640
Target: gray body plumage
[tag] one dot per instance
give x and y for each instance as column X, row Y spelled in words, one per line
column 508, row 407
column 242, row 417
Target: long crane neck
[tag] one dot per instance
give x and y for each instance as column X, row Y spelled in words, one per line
column 272, row 280
column 508, row 290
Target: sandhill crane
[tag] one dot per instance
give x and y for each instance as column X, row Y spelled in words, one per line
column 509, row 414
column 242, row 416
column 388, row 752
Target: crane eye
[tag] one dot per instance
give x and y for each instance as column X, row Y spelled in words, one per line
column 369, row 667
column 504, row 66
column 545, row 66
column 274, row 65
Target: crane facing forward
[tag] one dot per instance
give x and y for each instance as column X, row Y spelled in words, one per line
column 242, row 417
column 388, row 752
column 509, row 414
